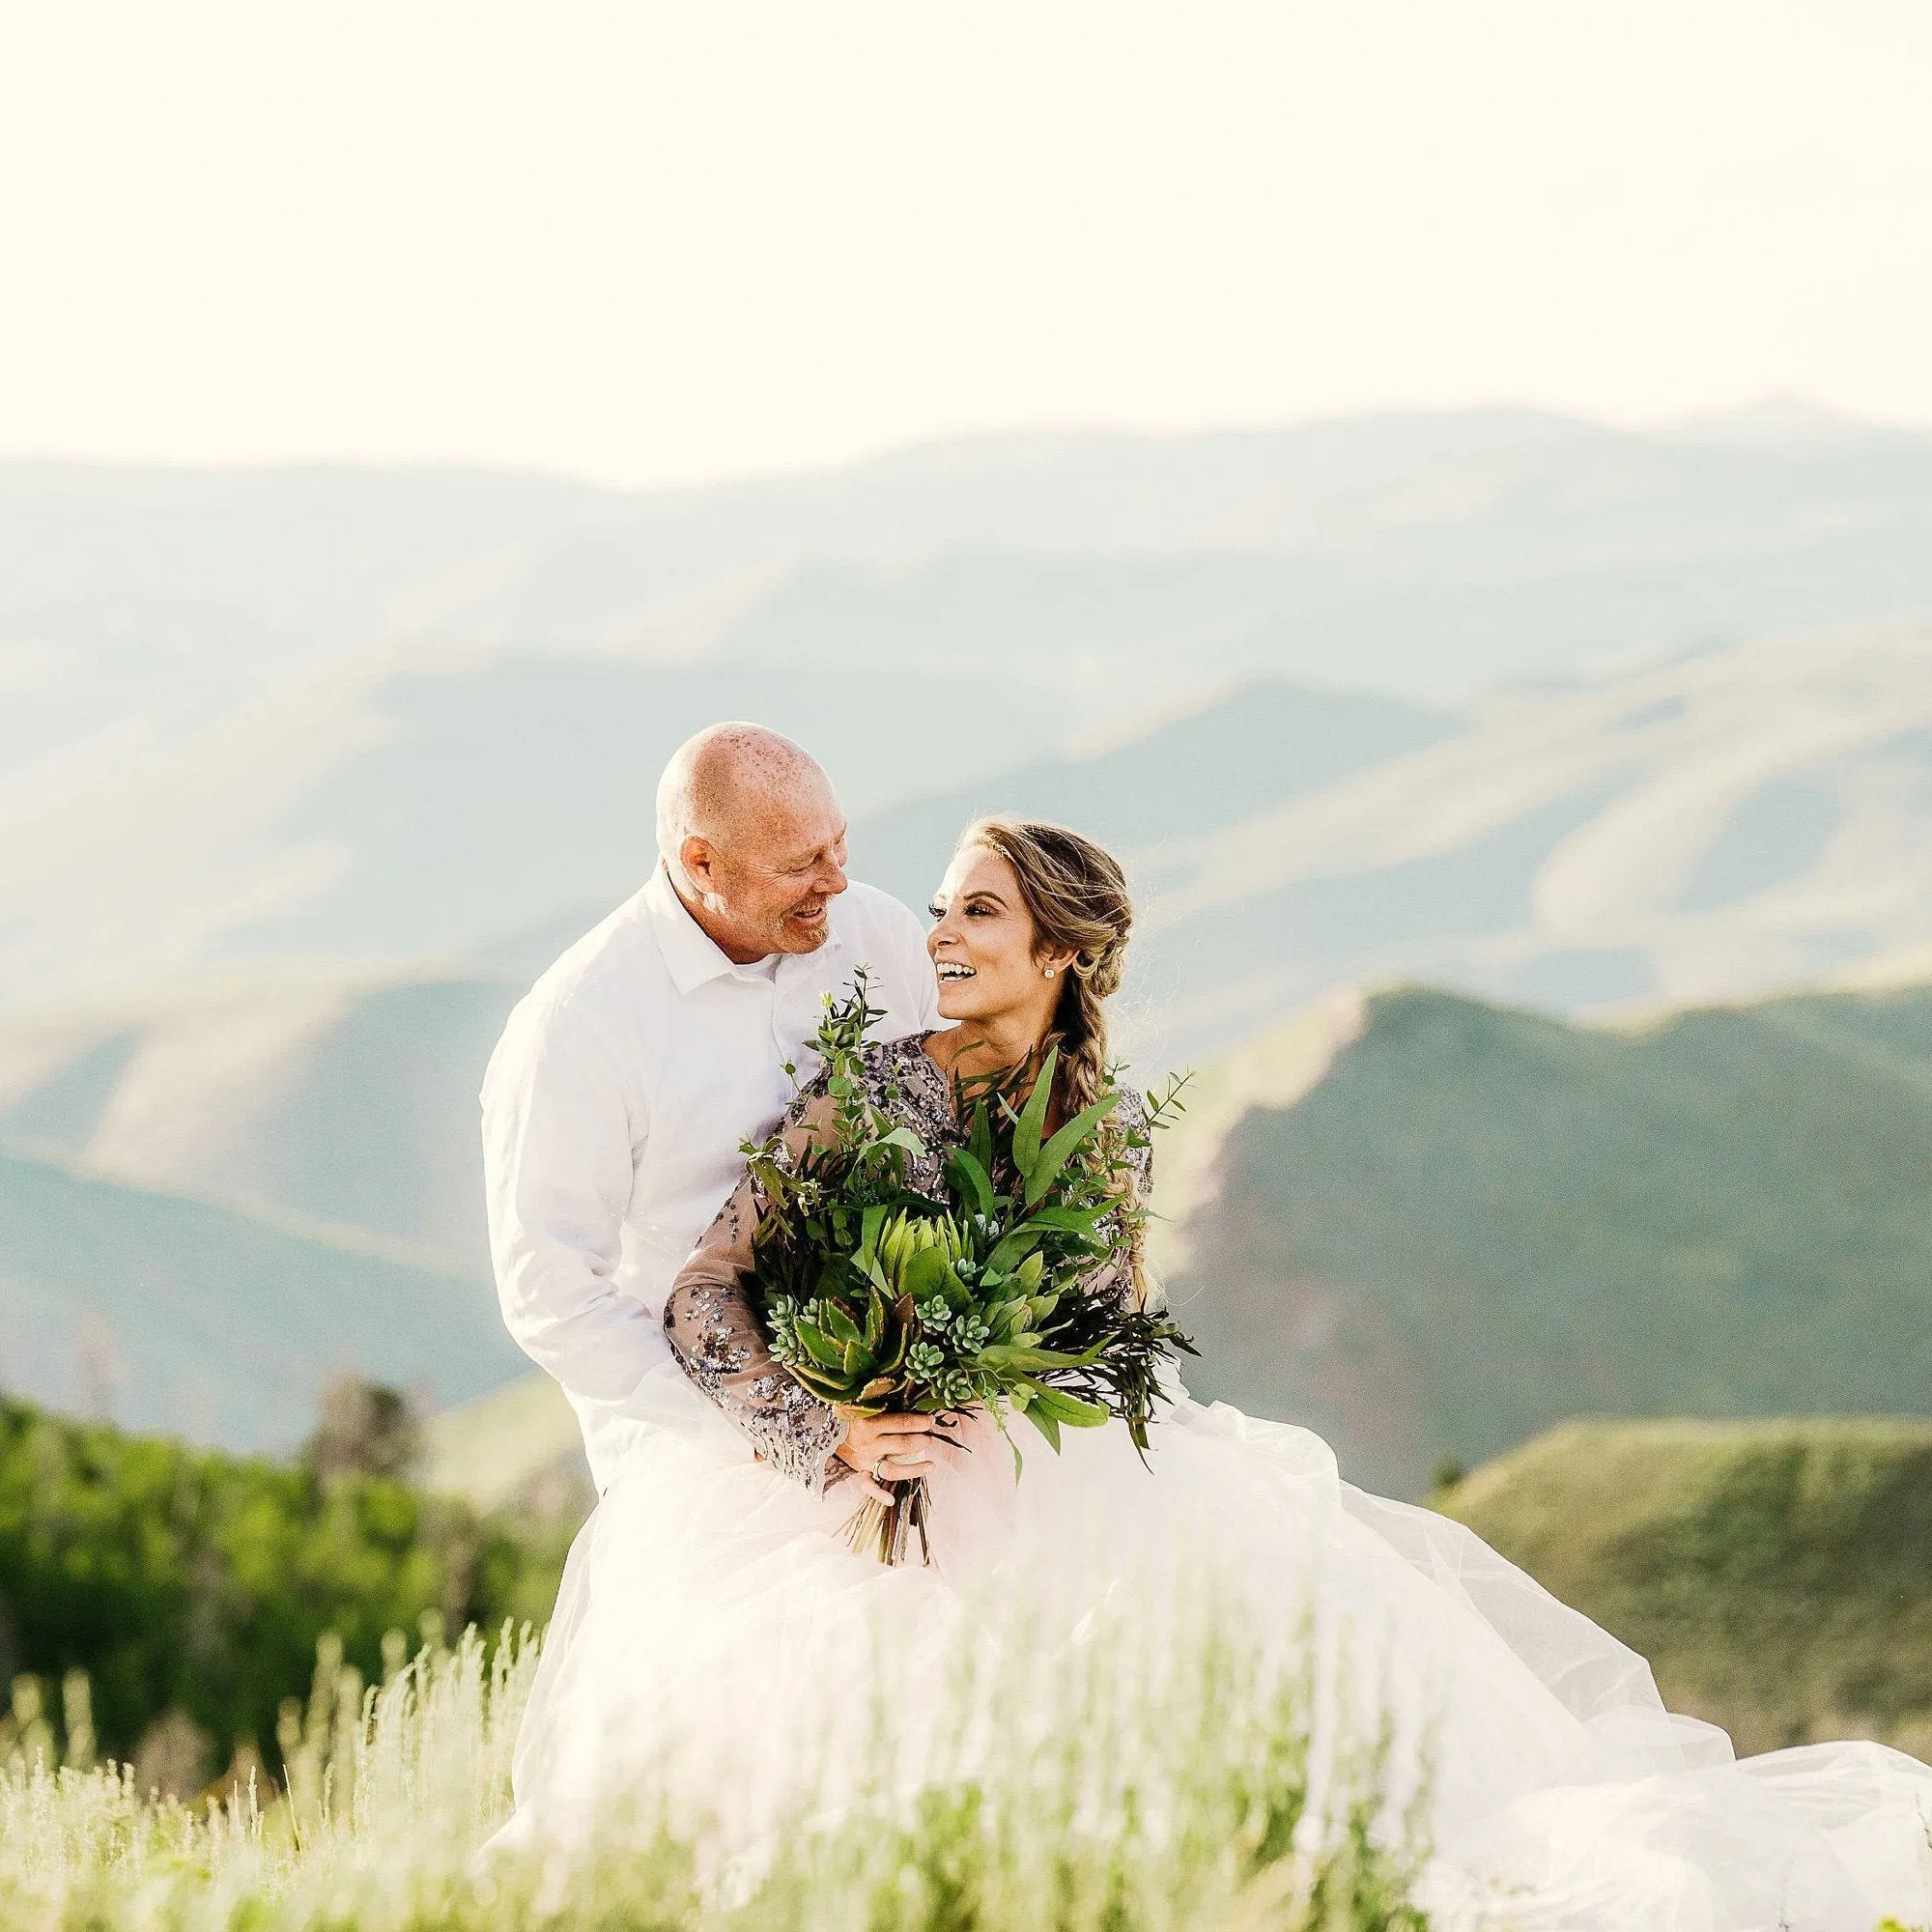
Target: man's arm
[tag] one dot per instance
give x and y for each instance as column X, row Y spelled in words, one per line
column 559, row 1142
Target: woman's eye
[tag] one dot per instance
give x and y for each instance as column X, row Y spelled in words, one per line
column 935, row 912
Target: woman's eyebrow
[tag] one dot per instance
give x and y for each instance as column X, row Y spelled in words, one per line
column 991, row 898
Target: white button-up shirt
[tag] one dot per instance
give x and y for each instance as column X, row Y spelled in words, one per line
column 613, row 1113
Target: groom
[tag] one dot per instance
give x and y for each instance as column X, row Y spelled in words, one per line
column 625, row 1080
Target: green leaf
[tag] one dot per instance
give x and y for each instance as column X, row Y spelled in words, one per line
column 894, row 1360
column 929, row 1273
column 970, row 1180
column 1070, row 1409
column 1047, row 1425
column 1032, row 1119
column 841, row 1326
column 1012, row 1246
column 828, row 1388
column 1061, row 1148
column 820, row 1345
column 871, row 1222
column 1081, row 1221
column 1001, row 1355
column 979, row 1143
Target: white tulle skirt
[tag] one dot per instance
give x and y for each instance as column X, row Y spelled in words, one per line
column 714, row 1637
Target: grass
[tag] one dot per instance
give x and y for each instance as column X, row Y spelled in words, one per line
column 1777, row 1574
column 1197, row 1802
column 1480, row 1221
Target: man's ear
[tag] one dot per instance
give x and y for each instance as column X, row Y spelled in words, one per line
column 695, row 856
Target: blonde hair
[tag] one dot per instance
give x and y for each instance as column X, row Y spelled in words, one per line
column 1077, row 896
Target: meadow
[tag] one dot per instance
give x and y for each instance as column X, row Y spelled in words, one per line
column 1198, row 1807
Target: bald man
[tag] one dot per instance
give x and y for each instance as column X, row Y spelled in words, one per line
column 627, row 1078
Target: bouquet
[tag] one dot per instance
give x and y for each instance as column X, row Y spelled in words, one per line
column 879, row 1298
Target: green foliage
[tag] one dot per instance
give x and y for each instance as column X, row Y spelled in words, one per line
column 1480, row 1222
column 192, row 1581
column 1777, row 1575
column 1107, row 1796
column 879, row 1300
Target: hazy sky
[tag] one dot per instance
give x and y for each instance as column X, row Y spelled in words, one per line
column 655, row 243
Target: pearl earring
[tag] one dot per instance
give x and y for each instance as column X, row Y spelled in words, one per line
column 1046, row 972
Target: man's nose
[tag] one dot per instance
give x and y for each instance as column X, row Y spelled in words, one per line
column 830, row 878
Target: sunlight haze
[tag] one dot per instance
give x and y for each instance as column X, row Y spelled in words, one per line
column 655, row 244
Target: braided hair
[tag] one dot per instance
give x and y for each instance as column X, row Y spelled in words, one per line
column 1077, row 896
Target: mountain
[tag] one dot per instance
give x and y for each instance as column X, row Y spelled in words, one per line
column 330, row 1094
column 178, row 1314
column 1185, row 777
column 404, row 806
column 1710, row 827
column 1715, row 827
column 1451, row 1225
column 1418, row 555
column 1736, row 822
column 1705, row 829
column 1777, row 1574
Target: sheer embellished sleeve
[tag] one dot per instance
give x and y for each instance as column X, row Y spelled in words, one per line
column 715, row 1336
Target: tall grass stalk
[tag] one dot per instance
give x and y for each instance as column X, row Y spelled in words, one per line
column 1091, row 1792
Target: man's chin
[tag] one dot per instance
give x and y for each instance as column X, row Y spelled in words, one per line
column 795, row 935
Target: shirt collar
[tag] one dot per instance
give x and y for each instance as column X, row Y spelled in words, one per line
column 692, row 956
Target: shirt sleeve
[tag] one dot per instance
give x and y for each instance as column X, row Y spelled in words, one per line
column 720, row 1342
column 916, row 963
column 561, row 1142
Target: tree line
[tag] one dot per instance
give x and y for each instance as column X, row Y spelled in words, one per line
column 192, row 1587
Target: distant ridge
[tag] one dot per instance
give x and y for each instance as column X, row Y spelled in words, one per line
column 1777, row 1574
column 1479, row 1221
column 181, row 1315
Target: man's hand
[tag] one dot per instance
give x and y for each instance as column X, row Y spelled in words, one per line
column 884, row 1449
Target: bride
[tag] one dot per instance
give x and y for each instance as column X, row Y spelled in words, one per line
column 712, row 1612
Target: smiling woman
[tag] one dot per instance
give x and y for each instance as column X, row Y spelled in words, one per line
column 1029, row 936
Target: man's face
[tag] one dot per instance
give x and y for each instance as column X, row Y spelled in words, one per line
column 766, row 882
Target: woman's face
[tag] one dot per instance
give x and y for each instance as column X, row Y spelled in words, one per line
column 982, row 944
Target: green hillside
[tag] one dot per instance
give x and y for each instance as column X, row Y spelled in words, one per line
column 1777, row 1574
column 330, row 1093
column 175, row 1314
column 1481, row 1222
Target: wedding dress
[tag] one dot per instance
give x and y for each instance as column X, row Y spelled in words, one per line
column 712, row 1625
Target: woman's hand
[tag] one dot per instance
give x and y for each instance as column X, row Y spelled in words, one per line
column 886, row 1449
